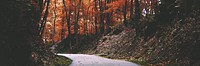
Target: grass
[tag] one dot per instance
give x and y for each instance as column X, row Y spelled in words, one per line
column 62, row 61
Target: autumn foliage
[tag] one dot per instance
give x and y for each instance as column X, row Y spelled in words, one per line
column 62, row 12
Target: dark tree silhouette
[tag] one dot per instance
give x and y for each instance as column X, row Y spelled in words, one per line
column 125, row 12
column 101, row 16
column 17, row 27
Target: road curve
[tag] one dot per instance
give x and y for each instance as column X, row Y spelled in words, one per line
column 92, row 60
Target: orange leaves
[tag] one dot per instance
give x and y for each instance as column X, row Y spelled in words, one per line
column 56, row 38
column 81, row 25
column 114, row 5
column 67, row 2
column 86, row 2
column 54, row 20
column 89, row 16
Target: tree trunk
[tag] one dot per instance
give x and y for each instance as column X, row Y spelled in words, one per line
column 137, row 17
column 108, row 15
column 76, row 26
column 101, row 17
column 54, row 23
column 68, row 14
column 95, row 19
column 125, row 7
column 137, row 10
column 131, row 10
column 43, row 24
column 63, row 22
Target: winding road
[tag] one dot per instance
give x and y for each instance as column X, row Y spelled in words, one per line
column 92, row 60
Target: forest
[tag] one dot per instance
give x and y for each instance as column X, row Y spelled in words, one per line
column 66, row 32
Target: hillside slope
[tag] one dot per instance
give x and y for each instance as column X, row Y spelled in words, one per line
column 174, row 44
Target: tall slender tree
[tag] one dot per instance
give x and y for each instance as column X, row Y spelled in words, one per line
column 42, row 27
column 68, row 19
column 54, row 23
column 137, row 10
column 101, row 17
column 137, row 17
column 63, row 21
column 108, row 18
column 95, row 19
column 125, row 12
column 76, row 26
column 131, row 10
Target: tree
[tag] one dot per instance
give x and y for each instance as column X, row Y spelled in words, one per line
column 131, row 10
column 68, row 19
column 108, row 18
column 101, row 16
column 54, row 23
column 137, row 17
column 95, row 19
column 42, row 27
column 124, row 10
column 137, row 10
column 76, row 26
column 19, row 20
